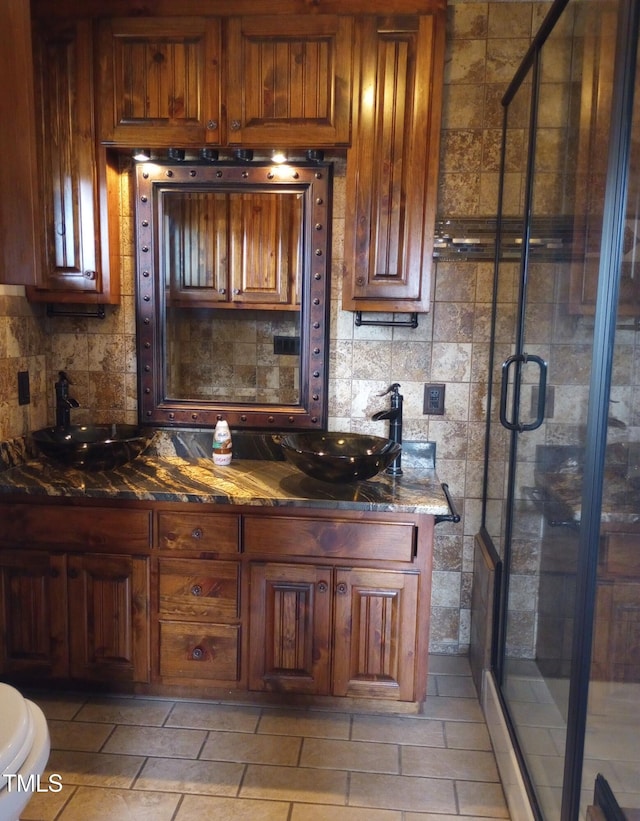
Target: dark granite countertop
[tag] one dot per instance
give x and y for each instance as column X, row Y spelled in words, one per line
column 174, row 468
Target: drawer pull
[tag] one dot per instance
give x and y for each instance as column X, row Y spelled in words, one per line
column 323, row 587
column 341, row 588
column 72, row 573
column 196, row 533
column 197, row 654
column 196, row 590
column 54, row 573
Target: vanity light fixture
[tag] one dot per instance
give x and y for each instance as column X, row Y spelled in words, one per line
column 315, row 155
column 209, row 154
column 244, row 154
column 141, row 154
column 176, row 154
column 279, row 157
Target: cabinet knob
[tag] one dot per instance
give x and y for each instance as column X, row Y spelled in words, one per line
column 196, row 533
column 341, row 588
column 222, row 290
column 72, row 573
column 323, row 587
column 197, row 653
column 90, row 275
column 196, row 590
column 212, row 125
column 54, row 573
column 236, row 291
column 236, row 125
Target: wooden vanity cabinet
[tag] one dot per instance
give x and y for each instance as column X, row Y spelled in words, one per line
column 347, row 617
column 79, row 186
column 392, row 165
column 199, row 626
column 74, row 596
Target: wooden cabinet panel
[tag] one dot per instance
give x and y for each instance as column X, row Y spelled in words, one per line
column 109, row 617
column 375, row 635
column 200, row 651
column 290, row 628
column 159, row 81
column 79, row 182
column 59, row 527
column 199, row 589
column 19, row 233
column 392, row 166
column 300, row 536
column 33, row 625
column 289, row 80
column 209, row 534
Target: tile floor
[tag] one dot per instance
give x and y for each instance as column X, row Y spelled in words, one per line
column 134, row 758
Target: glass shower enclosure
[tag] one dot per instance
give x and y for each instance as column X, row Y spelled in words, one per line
column 561, row 506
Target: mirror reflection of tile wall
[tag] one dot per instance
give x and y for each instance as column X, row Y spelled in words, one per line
column 233, row 358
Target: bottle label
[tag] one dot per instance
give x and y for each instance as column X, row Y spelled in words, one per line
column 222, row 446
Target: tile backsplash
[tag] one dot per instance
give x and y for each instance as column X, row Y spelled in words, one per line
column 486, row 42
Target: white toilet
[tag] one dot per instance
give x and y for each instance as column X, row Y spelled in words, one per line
column 24, row 751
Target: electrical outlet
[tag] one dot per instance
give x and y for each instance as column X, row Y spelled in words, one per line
column 433, row 399
column 24, row 392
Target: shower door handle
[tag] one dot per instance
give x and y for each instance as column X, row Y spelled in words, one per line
column 521, row 359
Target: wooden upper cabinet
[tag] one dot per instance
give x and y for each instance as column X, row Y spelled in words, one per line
column 159, row 81
column 18, row 173
column 78, row 180
column 392, row 166
column 289, row 80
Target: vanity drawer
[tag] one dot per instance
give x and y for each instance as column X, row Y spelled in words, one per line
column 59, row 526
column 329, row 538
column 197, row 588
column 206, row 532
column 200, row 651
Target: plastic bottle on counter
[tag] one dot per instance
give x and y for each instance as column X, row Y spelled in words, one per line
column 222, row 446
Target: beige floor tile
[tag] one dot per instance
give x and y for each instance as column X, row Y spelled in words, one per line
column 160, row 741
column 202, row 716
column 188, row 776
column 199, row 808
column 456, row 686
column 95, row 769
column 119, row 805
column 295, row 784
column 311, row 812
column 470, row 765
column 138, row 711
column 58, row 706
column 400, row 792
column 467, row 735
column 252, row 748
column 453, row 709
column 45, row 806
column 486, row 800
column 78, row 735
column 350, row 755
column 398, row 730
column 449, row 665
column 305, row 723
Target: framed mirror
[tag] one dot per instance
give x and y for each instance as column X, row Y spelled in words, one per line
column 232, row 293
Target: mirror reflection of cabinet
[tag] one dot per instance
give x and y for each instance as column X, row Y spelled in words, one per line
column 228, row 248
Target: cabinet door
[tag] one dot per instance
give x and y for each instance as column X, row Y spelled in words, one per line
column 33, row 616
column 375, row 635
column 393, row 163
column 108, row 617
column 79, row 183
column 289, row 80
column 159, row 81
column 18, row 172
column 290, row 622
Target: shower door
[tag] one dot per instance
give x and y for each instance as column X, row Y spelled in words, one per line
column 559, row 111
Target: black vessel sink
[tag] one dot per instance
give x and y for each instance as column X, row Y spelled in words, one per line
column 339, row 457
column 92, row 447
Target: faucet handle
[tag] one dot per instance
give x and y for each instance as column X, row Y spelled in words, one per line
column 391, row 389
